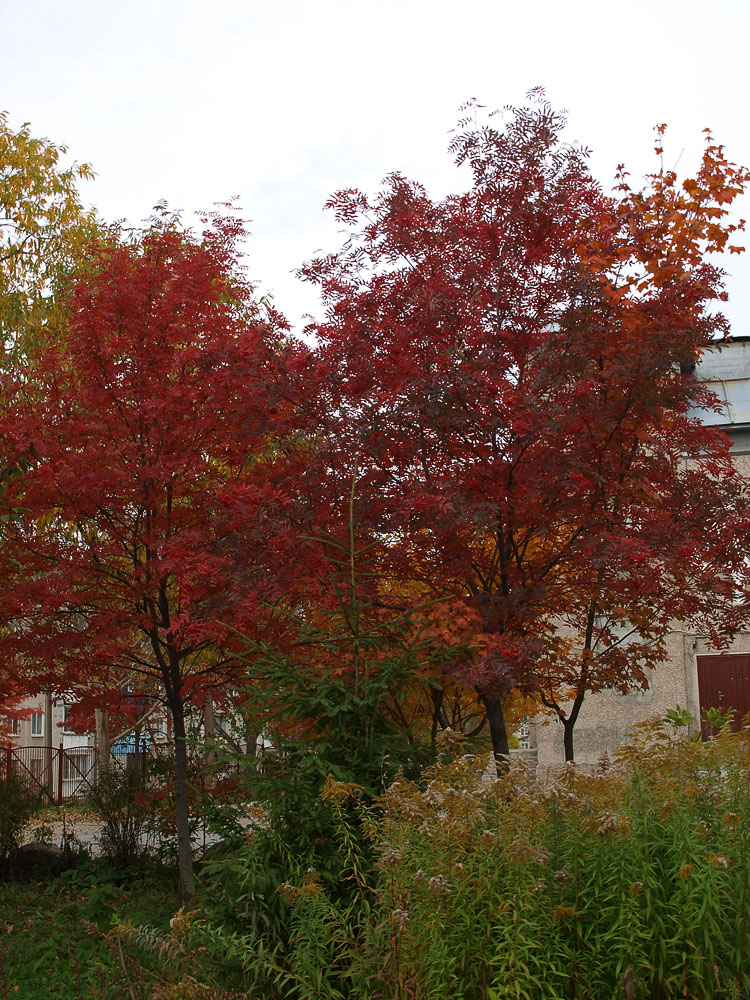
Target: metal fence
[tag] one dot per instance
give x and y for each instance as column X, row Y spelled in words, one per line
column 65, row 774
column 132, row 752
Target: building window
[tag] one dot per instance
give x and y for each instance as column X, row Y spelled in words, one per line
column 522, row 733
column 66, row 729
column 75, row 766
column 37, row 723
column 15, row 727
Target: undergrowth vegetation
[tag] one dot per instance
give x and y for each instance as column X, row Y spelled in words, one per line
column 56, row 934
column 18, row 803
column 630, row 882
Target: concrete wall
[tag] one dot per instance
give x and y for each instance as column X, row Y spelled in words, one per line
column 607, row 718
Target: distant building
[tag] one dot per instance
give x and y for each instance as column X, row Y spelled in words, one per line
column 32, row 730
column 33, row 750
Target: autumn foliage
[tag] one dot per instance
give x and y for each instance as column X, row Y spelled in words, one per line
column 508, row 365
column 160, row 413
column 499, row 416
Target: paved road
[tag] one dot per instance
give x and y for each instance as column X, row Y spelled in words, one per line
column 54, row 829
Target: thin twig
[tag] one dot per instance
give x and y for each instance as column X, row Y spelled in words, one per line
column 125, row 970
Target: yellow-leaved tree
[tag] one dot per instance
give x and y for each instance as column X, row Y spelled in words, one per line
column 43, row 225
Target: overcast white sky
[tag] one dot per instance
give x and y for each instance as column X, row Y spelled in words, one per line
column 283, row 101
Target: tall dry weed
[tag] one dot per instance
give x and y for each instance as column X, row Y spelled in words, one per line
column 630, row 882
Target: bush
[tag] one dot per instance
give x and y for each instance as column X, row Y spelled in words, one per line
column 331, row 708
column 18, row 803
column 632, row 882
column 123, row 800
column 309, row 803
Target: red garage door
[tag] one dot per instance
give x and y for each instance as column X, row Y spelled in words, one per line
column 723, row 683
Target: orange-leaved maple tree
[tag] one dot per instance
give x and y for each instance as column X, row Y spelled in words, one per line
column 165, row 400
column 510, row 368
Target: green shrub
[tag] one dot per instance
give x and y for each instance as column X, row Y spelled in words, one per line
column 291, row 891
column 18, row 802
column 123, row 800
column 633, row 882
column 302, row 823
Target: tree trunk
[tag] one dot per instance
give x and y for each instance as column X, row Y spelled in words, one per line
column 209, row 726
column 437, row 702
column 569, row 725
column 493, row 706
column 182, row 815
column 251, row 744
column 568, row 740
column 209, row 722
column 49, row 753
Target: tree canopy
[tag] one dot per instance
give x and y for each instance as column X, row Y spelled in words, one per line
column 168, row 397
column 508, row 367
column 43, row 225
column 499, row 411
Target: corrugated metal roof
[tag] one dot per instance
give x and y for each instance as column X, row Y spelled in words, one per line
column 727, row 372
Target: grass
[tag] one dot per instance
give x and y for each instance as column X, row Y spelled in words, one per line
column 54, row 933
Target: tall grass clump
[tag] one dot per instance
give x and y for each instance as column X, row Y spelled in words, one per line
column 632, row 882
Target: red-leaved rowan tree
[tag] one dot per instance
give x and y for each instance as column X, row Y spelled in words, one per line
column 165, row 401
column 508, row 367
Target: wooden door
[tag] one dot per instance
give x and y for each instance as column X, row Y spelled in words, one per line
column 724, row 683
